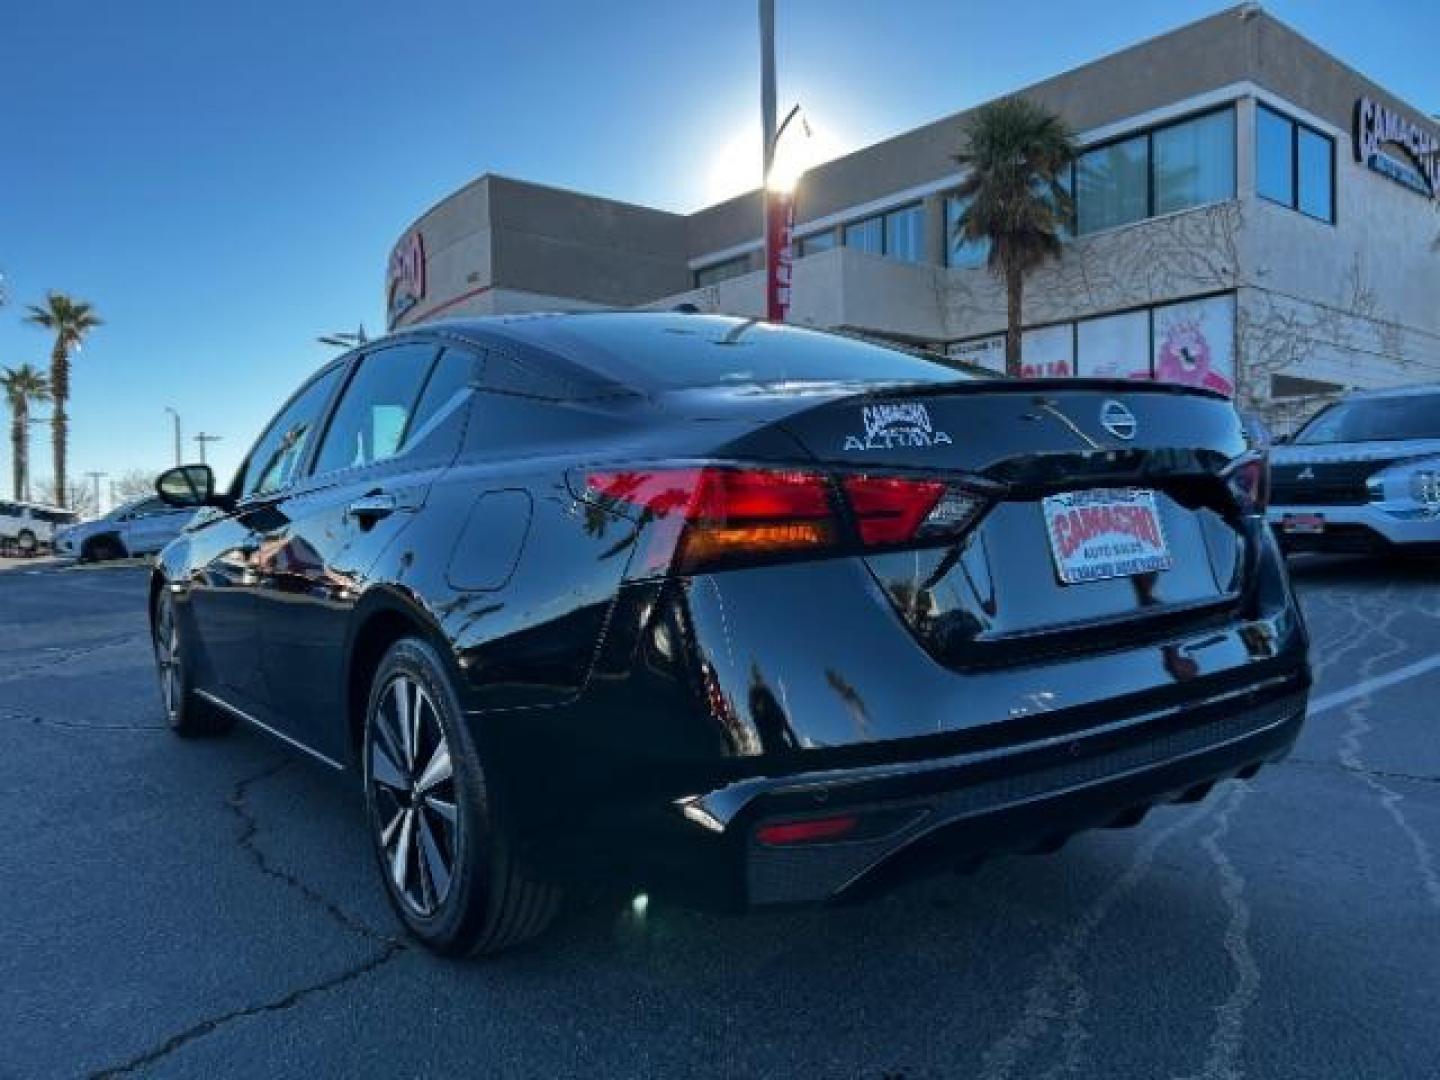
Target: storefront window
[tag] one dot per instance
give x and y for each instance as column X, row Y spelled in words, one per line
column 961, row 254
column 1112, row 185
column 1195, row 162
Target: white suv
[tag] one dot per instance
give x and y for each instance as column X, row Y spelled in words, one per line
column 1363, row 476
column 26, row 528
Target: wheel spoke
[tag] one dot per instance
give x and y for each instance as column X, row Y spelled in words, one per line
column 438, row 770
column 437, row 868
column 383, row 769
column 445, row 809
column 387, row 834
column 404, row 720
column 400, row 860
column 389, row 730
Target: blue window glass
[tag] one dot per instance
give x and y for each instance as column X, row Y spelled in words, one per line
column 1315, row 155
column 817, row 242
column 867, row 235
column 1195, row 162
column 1113, row 185
column 1274, row 156
column 905, row 234
column 961, row 254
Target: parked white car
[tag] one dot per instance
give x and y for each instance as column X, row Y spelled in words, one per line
column 28, row 528
column 141, row 527
column 1363, row 476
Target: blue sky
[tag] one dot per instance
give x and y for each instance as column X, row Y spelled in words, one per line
column 224, row 181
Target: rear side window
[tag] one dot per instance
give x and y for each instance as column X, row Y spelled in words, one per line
column 372, row 417
column 281, row 450
column 452, row 373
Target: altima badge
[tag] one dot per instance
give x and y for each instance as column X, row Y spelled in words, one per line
column 896, row 424
column 1118, row 420
column 1306, row 473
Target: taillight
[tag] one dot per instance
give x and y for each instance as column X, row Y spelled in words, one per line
column 705, row 517
column 1248, row 476
column 890, row 509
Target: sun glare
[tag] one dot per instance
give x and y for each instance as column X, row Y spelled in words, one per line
column 735, row 167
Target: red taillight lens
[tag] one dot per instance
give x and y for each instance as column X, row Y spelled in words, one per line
column 811, row 831
column 706, row 517
column 888, row 509
column 1249, row 481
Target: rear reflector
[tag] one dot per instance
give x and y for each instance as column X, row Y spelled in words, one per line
column 811, row 831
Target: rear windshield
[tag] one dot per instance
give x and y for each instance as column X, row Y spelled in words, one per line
column 676, row 352
column 1375, row 420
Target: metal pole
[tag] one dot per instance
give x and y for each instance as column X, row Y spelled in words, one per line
column 96, row 477
column 767, row 144
column 201, row 439
column 176, row 415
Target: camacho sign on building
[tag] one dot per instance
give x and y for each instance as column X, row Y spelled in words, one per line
column 1379, row 127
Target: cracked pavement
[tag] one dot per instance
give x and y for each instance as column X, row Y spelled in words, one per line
column 180, row 909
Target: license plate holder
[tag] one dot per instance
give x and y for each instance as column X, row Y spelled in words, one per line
column 1303, row 524
column 1105, row 533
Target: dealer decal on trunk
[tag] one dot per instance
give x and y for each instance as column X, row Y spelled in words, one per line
column 895, row 425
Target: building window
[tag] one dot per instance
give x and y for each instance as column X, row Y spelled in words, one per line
column 905, row 234
column 1294, row 165
column 1195, row 162
column 1112, row 185
column 867, row 235
column 1190, row 163
column 1315, row 173
column 722, row 271
column 961, row 254
column 898, row 234
column 817, row 242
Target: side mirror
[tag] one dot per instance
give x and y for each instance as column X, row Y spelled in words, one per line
column 187, row 486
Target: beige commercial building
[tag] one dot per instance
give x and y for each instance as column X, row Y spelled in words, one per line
column 1252, row 214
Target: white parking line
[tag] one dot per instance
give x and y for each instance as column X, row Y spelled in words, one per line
column 1368, row 686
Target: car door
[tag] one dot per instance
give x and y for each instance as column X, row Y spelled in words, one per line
column 143, row 525
column 396, row 426
column 225, row 547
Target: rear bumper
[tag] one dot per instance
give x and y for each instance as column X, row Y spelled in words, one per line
column 963, row 809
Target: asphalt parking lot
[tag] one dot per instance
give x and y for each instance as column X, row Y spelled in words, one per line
column 178, row 909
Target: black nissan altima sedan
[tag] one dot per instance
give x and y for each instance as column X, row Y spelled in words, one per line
column 728, row 611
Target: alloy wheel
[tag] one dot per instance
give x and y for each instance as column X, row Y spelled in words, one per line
column 167, row 656
column 412, row 790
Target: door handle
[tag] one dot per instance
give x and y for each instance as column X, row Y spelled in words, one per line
column 372, row 507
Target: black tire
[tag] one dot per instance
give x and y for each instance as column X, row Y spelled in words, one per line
column 488, row 903
column 189, row 715
column 104, row 549
column 25, row 543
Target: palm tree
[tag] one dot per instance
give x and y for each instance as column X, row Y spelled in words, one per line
column 1018, row 157
column 71, row 320
column 21, row 386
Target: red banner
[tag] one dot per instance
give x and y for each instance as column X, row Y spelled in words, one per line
column 779, row 259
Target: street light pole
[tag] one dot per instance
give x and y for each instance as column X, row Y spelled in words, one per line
column 95, row 478
column 176, row 417
column 201, row 439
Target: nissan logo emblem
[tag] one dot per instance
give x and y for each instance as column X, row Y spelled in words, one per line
column 1118, row 420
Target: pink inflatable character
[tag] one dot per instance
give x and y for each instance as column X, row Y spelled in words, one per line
column 1185, row 358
